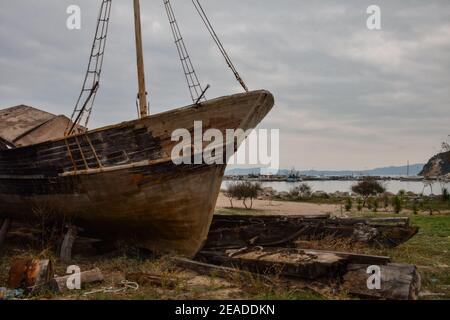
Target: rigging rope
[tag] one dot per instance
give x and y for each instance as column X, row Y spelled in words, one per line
column 216, row 39
column 83, row 107
column 195, row 89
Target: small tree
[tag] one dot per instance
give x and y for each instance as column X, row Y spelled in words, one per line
column 397, row 204
column 246, row 190
column 303, row 190
column 230, row 192
column 368, row 187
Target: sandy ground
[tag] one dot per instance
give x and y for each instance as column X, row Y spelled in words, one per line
column 281, row 207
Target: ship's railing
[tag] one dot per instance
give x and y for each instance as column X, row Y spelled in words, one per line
column 79, row 148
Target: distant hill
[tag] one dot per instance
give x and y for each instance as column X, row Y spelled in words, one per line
column 439, row 165
column 414, row 169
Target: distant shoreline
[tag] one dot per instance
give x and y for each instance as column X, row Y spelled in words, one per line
column 283, row 178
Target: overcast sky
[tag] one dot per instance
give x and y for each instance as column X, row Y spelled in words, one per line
column 346, row 97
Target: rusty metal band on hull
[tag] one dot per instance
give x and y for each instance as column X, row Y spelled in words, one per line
column 132, row 191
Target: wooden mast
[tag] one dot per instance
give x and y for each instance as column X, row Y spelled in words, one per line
column 143, row 107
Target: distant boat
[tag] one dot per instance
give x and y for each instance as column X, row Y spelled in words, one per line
column 120, row 182
column 293, row 179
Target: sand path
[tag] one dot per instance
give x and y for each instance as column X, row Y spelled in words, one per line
column 281, row 207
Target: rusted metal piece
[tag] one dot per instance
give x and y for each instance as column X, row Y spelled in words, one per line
column 29, row 273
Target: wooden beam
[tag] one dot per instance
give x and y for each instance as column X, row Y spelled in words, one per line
column 217, row 271
column 91, row 276
column 143, row 107
column 67, row 244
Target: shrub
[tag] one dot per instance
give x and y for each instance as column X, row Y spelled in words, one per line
column 303, row 190
column 386, row 200
column 294, row 192
column 397, row 204
column 401, row 193
column 348, row 204
column 445, row 195
column 372, row 204
column 375, row 205
column 414, row 208
column 360, row 204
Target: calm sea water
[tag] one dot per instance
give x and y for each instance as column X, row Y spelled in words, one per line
column 393, row 186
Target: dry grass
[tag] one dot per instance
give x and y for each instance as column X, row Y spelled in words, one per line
column 176, row 283
column 429, row 250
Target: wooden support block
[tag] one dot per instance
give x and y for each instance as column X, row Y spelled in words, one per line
column 398, row 282
column 60, row 284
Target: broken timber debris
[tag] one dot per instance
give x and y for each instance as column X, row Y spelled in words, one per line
column 215, row 270
column 142, row 278
column 398, row 281
column 4, row 228
column 228, row 231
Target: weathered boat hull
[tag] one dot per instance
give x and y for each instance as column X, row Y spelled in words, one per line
column 119, row 182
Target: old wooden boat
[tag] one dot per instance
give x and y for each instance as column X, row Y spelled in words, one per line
column 120, row 182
